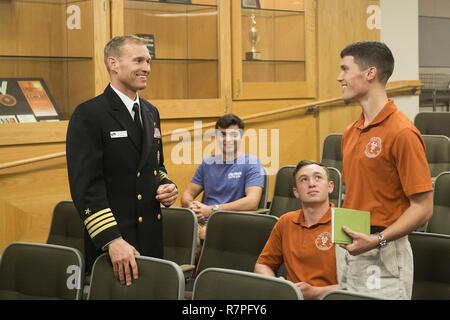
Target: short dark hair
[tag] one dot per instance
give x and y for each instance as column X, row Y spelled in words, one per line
column 228, row 120
column 372, row 54
column 304, row 163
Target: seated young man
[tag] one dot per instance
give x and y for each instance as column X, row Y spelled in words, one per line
column 230, row 180
column 302, row 239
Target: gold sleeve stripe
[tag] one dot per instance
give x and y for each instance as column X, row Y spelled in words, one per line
column 99, row 221
column 101, row 224
column 112, row 224
column 96, row 215
column 163, row 175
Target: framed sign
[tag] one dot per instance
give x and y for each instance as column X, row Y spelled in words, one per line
column 26, row 100
column 252, row 4
column 149, row 40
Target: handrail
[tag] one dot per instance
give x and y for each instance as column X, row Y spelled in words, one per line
column 397, row 87
column 32, row 160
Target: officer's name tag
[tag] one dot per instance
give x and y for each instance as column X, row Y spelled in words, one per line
column 118, row 134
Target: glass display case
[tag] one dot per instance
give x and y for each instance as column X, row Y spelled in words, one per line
column 186, row 68
column 205, row 52
column 273, row 49
column 49, row 42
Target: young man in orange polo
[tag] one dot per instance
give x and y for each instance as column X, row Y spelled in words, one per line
column 385, row 171
column 302, row 239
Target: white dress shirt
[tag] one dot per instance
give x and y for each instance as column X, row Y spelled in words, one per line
column 129, row 103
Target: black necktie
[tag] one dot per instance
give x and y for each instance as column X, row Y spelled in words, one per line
column 137, row 118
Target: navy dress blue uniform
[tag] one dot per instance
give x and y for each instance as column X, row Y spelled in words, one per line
column 114, row 173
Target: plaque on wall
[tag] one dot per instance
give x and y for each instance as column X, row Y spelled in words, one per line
column 149, row 40
column 251, row 4
column 26, row 100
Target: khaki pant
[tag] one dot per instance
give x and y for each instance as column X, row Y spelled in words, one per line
column 386, row 273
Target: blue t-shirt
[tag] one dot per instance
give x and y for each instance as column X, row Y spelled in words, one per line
column 225, row 182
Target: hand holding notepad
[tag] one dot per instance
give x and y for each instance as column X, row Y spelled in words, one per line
column 357, row 220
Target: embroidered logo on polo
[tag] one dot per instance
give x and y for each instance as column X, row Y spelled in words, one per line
column 323, row 241
column 373, row 148
column 235, row 175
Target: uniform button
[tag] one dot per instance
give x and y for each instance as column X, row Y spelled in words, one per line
column 140, row 219
column 139, row 197
column 155, row 173
column 138, row 174
column 159, row 216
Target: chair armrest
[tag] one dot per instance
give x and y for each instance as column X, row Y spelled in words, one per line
column 187, row 267
column 261, row 211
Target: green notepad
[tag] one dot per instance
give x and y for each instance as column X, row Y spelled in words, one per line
column 357, row 220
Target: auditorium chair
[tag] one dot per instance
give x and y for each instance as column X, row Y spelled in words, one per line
column 438, row 153
column 436, row 123
column 332, row 151
column 347, row 295
column 440, row 221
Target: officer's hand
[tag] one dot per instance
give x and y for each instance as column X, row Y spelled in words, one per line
column 167, row 194
column 122, row 257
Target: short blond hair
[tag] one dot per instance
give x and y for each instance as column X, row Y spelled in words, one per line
column 114, row 47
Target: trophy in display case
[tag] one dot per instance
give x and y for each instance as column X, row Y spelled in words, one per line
column 254, row 37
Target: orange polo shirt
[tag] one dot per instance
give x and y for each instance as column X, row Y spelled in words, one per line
column 307, row 252
column 383, row 164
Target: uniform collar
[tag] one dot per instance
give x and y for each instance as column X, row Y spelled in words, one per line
column 388, row 109
column 300, row 218
column 129, row 103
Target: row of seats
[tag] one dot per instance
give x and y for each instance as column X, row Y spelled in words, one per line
column 435, row 123
column 43, row 271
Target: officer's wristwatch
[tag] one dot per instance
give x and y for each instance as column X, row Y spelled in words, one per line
column 381, row 241
column 215, row 208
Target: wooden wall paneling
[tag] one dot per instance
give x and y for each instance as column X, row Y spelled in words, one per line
column 14, row 223
column 29, row 194
column 8, row 32
column 286, row 72
column 289, row 42
column 81, row 86
column 185, row 109
column 167, row 80
column 32, row 133
column 297, row 5
column 22, row 152
column 168, row 27
column 102, row 34
column 311, row 45
column 45, row 33
column 237, row 54
column 202, row 25
column 205, row 2
column 202, row 80
column 43, row 26
column 334, row 33
column 225, row 59
column 258, row 72
column 80, row 41
column 117, row 17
